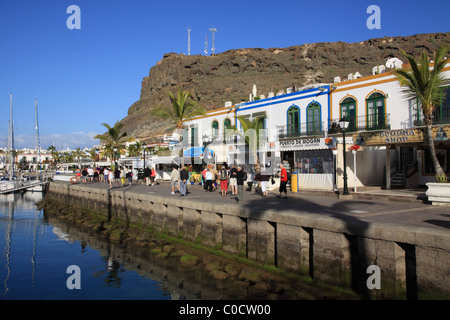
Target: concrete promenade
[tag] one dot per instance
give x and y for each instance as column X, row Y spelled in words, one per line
column 315, row 233
column 387, row 206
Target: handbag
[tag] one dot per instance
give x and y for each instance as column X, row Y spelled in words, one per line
column 273, row 181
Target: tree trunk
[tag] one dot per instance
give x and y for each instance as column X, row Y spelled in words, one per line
column 436, row 165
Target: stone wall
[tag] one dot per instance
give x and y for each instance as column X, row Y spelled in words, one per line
column 414, row 263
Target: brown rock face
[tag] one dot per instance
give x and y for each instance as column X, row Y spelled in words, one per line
column 229, row 76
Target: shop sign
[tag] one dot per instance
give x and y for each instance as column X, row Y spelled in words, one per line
column 388, row 137
column 303, row 144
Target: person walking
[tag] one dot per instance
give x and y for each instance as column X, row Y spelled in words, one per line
column 264, row 178
column 184, row 176
column 129, row 176
column 283, row 182
column 233, row 180
column 117, row 176
column 153, row 176
column 241, row 177
column 223, row 180
column 110, row 178
column 175, row 180
column 209, row 180
column 85, row 175
column 147, row 173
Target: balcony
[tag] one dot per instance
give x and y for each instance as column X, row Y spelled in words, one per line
column 304, row 129
column 361, row 123
column 439, row 117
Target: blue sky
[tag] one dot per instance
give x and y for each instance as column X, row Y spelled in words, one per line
column 86, row 77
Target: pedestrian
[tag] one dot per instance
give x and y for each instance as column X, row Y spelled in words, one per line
column 117, row 176
column 223, row 180
column 241, row 177
column 85, row 175
column 153, row 176
column 209, row 180
column 129, row 176
column 233, row 180
column 184, row 176
column 147, row 173
column 204, row 178
column 175, row 179
column 123, row 175
column 264, row 178
column 78, row 175
column 105, row 175
column 90, row 171
column 283, row 182
column 110, row 178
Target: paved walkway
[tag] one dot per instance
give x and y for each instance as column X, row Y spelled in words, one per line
column 388, row 206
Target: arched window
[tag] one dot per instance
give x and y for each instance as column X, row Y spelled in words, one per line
column 375, row 115
column 348, row 110
column 313, row 121
column 293, row 121
column 215, row 130
column 226, row 125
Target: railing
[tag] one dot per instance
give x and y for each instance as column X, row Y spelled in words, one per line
column 361, row 123
column 439, row 117
column 303, row 129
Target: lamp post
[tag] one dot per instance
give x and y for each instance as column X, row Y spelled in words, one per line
column 343, row 123
column 144, row 146
column 115, row 157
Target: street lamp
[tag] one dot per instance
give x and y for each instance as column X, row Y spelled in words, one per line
column 343, row 123
column 144, row 146
column 115, row 157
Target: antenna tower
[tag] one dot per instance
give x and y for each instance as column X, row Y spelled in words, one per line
column 213, row 30
column 189, row 41
column 206, row 44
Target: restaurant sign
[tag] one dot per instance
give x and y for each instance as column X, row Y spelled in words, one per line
column 303, row 144
column 386, row 137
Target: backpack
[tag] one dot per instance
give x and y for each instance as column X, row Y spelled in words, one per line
column 223, row 174
column 244, row 177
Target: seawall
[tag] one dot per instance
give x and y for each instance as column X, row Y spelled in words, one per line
column 413, row 262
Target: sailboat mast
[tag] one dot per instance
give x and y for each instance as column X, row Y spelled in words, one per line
column 38, row 144
column 11, row 123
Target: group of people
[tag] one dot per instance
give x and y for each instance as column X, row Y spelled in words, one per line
column 225, row 177
column 117, row 176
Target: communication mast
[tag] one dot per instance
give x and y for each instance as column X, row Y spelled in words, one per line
column 206, row 44
column 189, row 41
column 213, row 30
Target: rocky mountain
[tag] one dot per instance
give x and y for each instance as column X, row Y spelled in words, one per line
column 230, row 76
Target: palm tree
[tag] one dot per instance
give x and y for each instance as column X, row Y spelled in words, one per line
column 135, row 149
column 252, row 130
column 113, row 138
column 182, row 108
column 426, row 85
column 78, row 154
column 92, row 154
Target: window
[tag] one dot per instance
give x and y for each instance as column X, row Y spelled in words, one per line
column 348, row 110
column 314, row 161
column 293, row 121
column 441, row 113
column 226, row 125
column 443, row 156
column 215, row 130
column 313, row 125
column 375, row 111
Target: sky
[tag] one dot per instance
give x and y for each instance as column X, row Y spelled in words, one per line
column 84, row 77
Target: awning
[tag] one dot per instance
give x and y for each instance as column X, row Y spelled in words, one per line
column 166, row 160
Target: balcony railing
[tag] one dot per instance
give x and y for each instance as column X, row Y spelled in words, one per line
column 439, row 117
column 303, row 129
column 361, row 123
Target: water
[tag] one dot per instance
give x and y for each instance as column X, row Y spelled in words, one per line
column 35, row 255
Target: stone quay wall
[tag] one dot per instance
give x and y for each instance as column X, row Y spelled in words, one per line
column 412, row 262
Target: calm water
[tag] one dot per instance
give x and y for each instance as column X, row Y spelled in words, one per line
column 35, row 255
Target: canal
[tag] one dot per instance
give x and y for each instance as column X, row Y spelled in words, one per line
column 43, row 258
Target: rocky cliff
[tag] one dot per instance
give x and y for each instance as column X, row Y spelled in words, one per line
column 230, row 76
